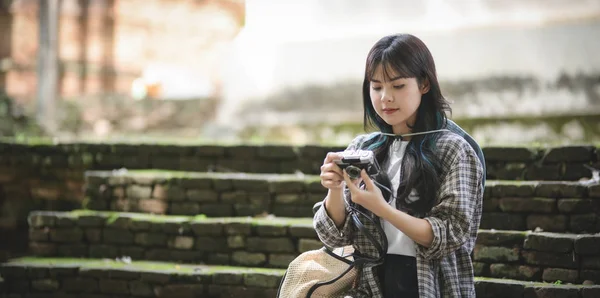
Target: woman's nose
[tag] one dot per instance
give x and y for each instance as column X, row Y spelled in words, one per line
column 386, row 96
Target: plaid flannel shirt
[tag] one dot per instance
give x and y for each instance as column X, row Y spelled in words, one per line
column 445, row 268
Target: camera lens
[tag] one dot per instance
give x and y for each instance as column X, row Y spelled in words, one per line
column 353, row 172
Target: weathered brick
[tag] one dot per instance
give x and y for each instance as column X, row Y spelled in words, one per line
column 168, row 192
column 503, row 221
column 103, row 251
column 152, row 206
column 184, row 208
column 248, row 259
column 270, row 230
column 216, row 210
column 141, row 289
column 204, row 228
column 587, row 244
column 66, row 235
column 564, row 275
column 510, row 154
column 180, row 290
column 251, row 184
column 159, row 277
column 302, row 231
column 41, row 219
column 499, row 288
column 77, row 285
column 281, row 260
column 580, row 223
column 181, row 242
column 594, row 191
column 309, row 244
column 111, row 286
column 554, row 189
column 262, row 280
column 548, row 259
column 277, row 152
column 73, row 250
column 495, row 254
column 43, row 249
column 539, row 205
column 550, row 242
column 227, row 278
column 202, row 195
column 139, row 191
column 45, row 285
column 256, row 244
column 578, row 205
column 134, row 252
column 549, row 223
column 521, row 189
column 41, row 235
column 543, row 172
column 501, row 238
column 117, row 236
column 210, row 244
column 514, row 271
column 151, row 239
column 569, row 154
column 238, row 228
column 287, row 186
column 590, row 262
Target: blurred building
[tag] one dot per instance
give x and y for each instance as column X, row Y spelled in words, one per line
column 172, row 47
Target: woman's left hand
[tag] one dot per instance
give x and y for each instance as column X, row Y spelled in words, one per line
column 371, row 197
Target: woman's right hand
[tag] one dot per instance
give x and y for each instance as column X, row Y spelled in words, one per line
column 331, row 174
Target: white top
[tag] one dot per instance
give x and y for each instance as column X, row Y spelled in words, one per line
column 398, row 242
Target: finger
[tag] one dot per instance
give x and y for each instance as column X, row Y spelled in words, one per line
column 351, row 185
column 368, row 182
column 331, row 156
column 331, row 176
column 332, row 167
column 332, row 183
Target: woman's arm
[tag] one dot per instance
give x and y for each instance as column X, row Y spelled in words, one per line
column 417, row 229
column 330, row 221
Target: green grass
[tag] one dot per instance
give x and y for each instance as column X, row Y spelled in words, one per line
column 143, row 266
column 112, row 216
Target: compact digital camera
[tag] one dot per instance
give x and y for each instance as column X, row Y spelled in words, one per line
column 353, row 161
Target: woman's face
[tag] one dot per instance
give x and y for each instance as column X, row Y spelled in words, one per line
column 396, row 99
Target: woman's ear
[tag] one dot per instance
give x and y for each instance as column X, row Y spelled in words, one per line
column 425, row 86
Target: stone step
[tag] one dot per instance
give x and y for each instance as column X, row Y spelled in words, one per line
column 538, row 256
column 274, row 242
column 50, row 277
column 242, row 241
column 245, row 194
column 513, row 163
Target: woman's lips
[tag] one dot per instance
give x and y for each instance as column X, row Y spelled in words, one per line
column 389, row 111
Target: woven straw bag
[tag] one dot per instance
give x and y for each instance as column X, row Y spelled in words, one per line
column 320, row 273
column 326, row 273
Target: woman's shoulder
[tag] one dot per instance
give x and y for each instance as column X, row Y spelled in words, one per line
column 451, row 144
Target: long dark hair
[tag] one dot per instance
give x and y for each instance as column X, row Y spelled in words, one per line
column 407, row 56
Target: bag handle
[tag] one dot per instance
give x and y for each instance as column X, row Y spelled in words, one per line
column 381, row 249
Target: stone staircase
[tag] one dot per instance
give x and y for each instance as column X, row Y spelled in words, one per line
column 165, row 233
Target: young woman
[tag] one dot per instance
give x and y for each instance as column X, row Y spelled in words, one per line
column 428, row 200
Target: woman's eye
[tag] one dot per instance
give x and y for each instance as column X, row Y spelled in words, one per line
column 399, row 86
column 376, row 88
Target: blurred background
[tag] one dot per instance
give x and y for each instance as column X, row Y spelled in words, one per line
column 282, row 71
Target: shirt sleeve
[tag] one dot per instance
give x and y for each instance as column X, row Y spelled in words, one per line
column 328, row 232
column 452, row 218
